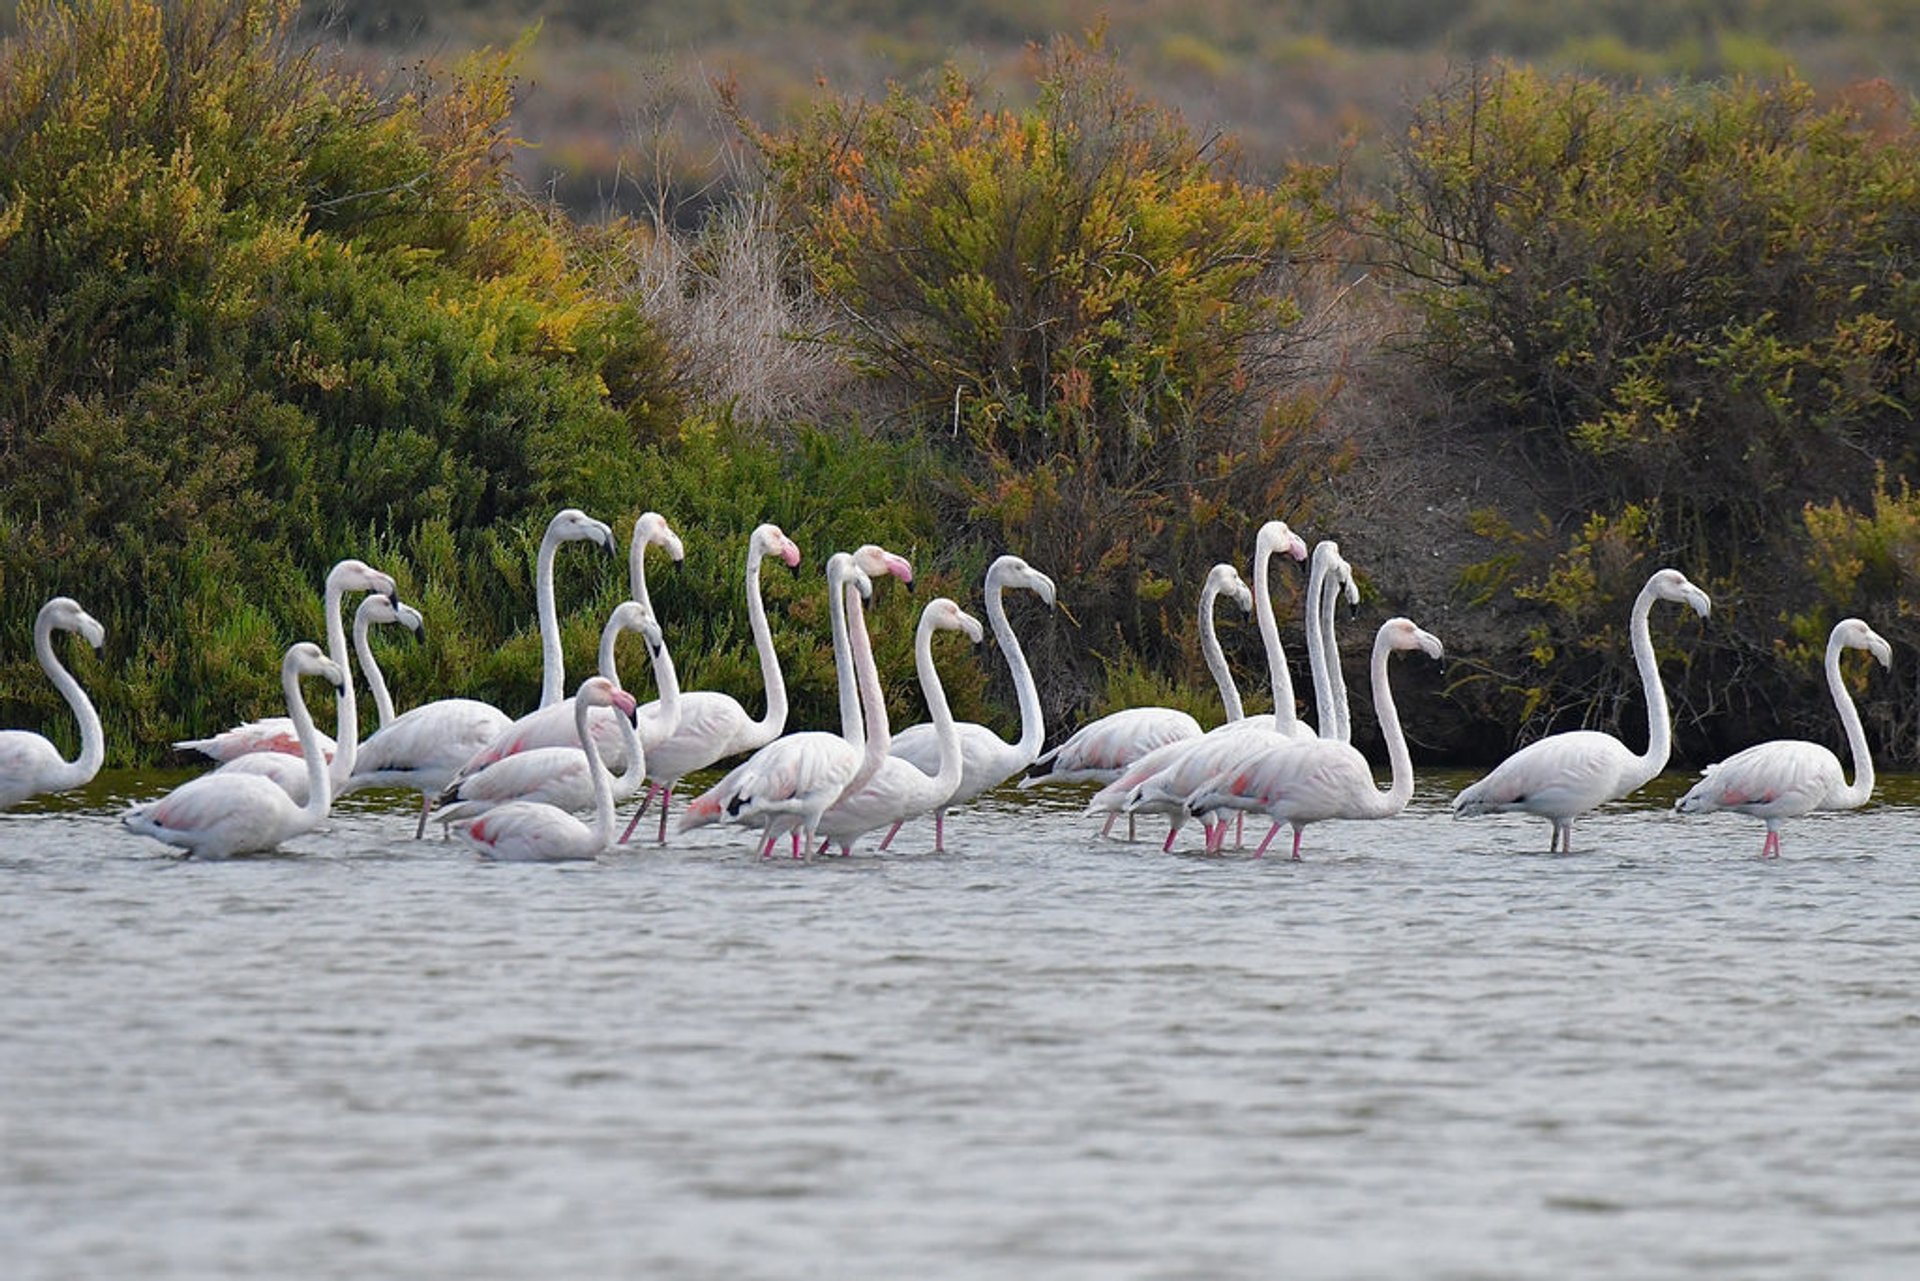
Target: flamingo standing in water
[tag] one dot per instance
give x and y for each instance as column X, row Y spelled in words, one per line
column 1565, row 775
column 899, row 789
column 276, row 733
column 713, row 725
column 787, row 785
column 987, row 760
column 530, row 831
column 1786, row 778
column 29, row 764
column 1320, row 778
column 220, row 814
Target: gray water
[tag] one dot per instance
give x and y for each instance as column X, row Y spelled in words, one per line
column 1427, row 1050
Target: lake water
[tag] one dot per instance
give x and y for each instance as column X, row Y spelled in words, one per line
column 1428, row 1050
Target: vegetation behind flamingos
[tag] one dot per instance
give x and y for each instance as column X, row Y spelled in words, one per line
column 261, row 312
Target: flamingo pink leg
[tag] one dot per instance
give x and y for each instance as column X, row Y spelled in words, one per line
column 891, row 833
column 1296, row 842
column 1263, row 844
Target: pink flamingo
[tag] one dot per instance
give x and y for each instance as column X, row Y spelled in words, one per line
column 1786, row 778
column 1314, row 779
column 899, row 789
column 220, row 814
column 787, row 785
column 713, row 725
column 1565, row 775
column 29, row 764
column 533, row 831
column 986, row 760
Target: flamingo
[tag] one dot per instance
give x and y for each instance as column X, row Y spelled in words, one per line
column 787, row 785
column 276, row 733
column 220, row 814
column 1565, row 775
column 568, row 525
column 29, row 764
column 533, row 831
column 650, row 530
column 986, row 760
column 1786, row 778
column 1100, row 750
column 1333, row 575
column 1305, row 782
column 713, row 725
column 558, row 775
column 1161, row 781
column 899, row 789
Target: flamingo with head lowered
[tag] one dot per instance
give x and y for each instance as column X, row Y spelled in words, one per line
column 1786, row 778
column 29, row 764
column 1565, row 775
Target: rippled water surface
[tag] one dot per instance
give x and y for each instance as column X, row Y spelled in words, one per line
column 1428, row 1050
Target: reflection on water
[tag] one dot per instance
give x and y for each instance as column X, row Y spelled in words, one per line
column 1428, row 1050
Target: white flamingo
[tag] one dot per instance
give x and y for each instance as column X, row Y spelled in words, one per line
column 275, row 733
column 987, row 760
column 785, row 786
column 1565, row 775
column 221, row 814
column 1161, row 781
column 1786, row 778
column 569, row 525
column 899, row 789
column 536, row 832
column 1321, row 778
column 1100, row 750
column 650, row 530
column 713, row 725
column 29, row 764
column 1323, row 648
column 559, row 775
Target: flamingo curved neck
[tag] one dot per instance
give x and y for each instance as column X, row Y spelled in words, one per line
column 775, row 720
column 1395, row 798
column 1330, row 650
column 945, row 733
column 1659, row 728
column 1857, row 792
column 879, row 736
column 1323, row 714
column 597, row 772
column 376, row 679
column 552, row 661
column 319, row 785
column 346, row 718
column 1216, row 658
column 1284, row 716
column 93, row 744
column 1033, row 724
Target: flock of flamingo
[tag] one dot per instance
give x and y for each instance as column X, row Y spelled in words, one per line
column 514, row 788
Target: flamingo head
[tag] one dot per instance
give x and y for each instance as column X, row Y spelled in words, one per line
column 304, row 658
column 771, row 540
column 1224, row 580
column 358, row 576
column 1671, row 584
column 1855, row 634
column 844, row 569
column 598, row 691
column 652, row 529
column 1275, row 536
column 631, row 616
column 878, row 562
column 65, row 614
column 946, row 613
column 383, row 608
column 1401, row 633
column 1011, row 571
column 570, row 524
